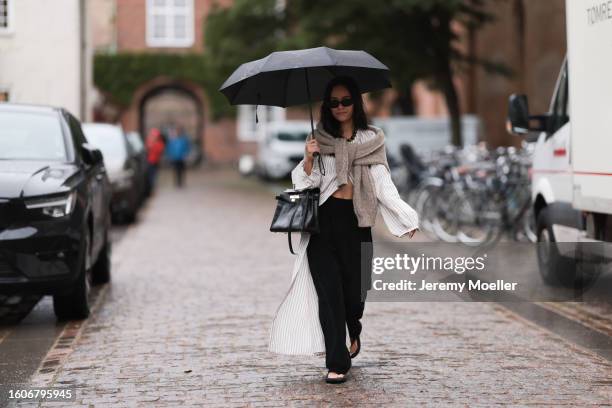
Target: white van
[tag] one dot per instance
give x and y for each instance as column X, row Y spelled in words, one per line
column 572, row 169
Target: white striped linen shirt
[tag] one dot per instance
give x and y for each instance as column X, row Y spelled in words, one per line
column 296, row 328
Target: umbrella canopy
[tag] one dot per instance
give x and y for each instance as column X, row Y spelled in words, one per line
column 286, row 78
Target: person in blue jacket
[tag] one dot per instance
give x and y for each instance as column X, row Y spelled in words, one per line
column 177, row 150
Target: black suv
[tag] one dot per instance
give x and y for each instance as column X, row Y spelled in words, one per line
column 54, row 208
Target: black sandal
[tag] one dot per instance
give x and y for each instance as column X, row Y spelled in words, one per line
column 353, row 355
column 337, row 380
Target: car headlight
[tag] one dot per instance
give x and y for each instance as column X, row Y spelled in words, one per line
column 55, row 206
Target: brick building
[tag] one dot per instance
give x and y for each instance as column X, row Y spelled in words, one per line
column 165, row 26
column 527, row 36
column 530, row 37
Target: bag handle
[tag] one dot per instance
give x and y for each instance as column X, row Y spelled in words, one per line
column 304, row 206
column 289, row 233
column 321, row 165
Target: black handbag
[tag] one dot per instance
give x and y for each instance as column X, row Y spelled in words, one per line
column 296, row 211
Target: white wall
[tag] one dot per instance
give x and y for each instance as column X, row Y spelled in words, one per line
column 40, row 58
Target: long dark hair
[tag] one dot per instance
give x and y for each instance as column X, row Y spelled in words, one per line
column 330, row 124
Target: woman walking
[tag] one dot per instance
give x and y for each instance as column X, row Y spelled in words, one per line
column 327, row 292
column 155, row 151
column 178, row 149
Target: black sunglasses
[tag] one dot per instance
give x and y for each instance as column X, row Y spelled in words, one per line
column 334, row 103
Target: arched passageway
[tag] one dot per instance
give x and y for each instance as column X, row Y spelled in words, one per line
column 172, row 105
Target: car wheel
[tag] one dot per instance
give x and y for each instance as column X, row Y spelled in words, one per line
column 75, row 304
column 263, row 174
column 129, row 216
column 556, row 269
column 101, row 270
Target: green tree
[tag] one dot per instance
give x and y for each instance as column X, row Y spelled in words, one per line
column 412, row 37
column 249, row 30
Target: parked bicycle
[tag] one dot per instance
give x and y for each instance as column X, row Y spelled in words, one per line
column 474, row 196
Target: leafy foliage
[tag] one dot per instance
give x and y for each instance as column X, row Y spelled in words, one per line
column 120, row 75
column 412, row 37
column 249, row 30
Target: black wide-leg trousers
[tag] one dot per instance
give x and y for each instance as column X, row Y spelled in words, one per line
column 335, row 260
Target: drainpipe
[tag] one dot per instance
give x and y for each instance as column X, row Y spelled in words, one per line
column 82, row 60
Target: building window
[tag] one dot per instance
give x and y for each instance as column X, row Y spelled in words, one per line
column 6, row 16
column 170, row 23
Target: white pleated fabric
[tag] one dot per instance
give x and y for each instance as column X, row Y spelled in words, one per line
column 296, row 328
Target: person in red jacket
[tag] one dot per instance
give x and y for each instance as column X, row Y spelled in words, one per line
column 155, row 151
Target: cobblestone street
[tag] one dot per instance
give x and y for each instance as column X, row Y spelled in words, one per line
column 196, row 283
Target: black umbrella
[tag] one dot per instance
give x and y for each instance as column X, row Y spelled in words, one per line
column 286, row 78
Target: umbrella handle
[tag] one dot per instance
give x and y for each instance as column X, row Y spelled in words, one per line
column 315, row 154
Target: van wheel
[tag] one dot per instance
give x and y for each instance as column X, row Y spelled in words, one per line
column 75, row 304
column 101, row 270
column 556, row 269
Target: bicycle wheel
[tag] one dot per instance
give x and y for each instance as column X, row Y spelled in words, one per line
column 422, row 201
column 444, row 214
column 478, row 218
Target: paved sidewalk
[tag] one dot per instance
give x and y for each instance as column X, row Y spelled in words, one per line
column 197, row 282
